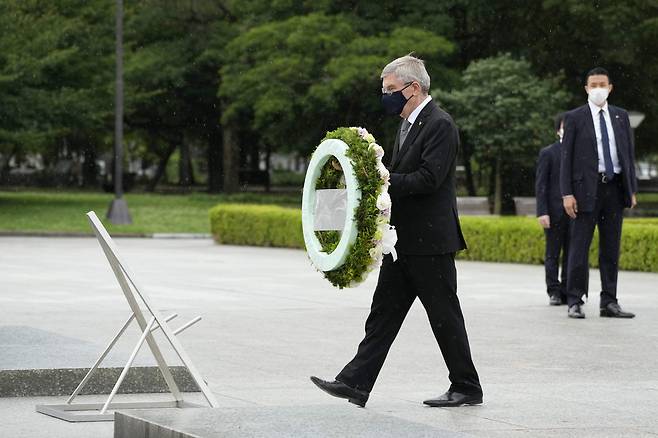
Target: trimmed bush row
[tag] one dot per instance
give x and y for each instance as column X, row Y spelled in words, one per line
column 491, row 239
column 257, row 225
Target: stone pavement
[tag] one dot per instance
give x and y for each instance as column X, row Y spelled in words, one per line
column 270, row 321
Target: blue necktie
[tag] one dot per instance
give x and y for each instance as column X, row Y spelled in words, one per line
column 607, row 157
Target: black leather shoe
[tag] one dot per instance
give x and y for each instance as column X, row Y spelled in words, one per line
column 341, row 390
column 613, row 310
column 555, row 300
column 454, row 399
column 575, row 312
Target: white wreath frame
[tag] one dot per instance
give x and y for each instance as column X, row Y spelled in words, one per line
column 323, row 261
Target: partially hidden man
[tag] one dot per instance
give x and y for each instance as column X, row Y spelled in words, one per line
column 598, row 181
column 552, row 217
column 424, row 214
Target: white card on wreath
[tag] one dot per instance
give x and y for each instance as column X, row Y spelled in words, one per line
column 330, row 207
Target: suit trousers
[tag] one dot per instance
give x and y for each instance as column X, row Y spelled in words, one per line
column 433, row 279
column 557, row 241
column 608, row 216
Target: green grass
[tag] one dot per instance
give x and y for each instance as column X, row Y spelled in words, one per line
column 52, row 211
column 64, row 211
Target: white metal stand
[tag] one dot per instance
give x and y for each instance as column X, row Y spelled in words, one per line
column 141, row 307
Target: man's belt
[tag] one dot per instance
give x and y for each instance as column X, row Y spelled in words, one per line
column 603, row 178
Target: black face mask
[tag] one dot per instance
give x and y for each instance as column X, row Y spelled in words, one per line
column 394, row 103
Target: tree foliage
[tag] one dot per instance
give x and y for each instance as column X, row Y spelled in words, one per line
column 296, row 79
column 277, row 75
column 55, row 70
column 506, row 112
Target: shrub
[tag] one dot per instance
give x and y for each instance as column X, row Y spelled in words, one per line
column 521, row 240
column 491, row 239
column 287, row 178
column 258, row 225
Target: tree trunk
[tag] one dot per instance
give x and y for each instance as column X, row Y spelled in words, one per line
column 215, row 161
column 89, row 168
column 466, row 153
column 498, row 193
column 231, row 161
column 470, row 183
column 162, row 167
column 185, row 171
column 4, row 167
column 254, row 158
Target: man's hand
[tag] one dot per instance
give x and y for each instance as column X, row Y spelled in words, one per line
column 544, row 221
column 570, row 206
column 633, row 200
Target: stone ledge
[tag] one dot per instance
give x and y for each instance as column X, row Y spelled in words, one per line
column 62, row 381
column 336, row 420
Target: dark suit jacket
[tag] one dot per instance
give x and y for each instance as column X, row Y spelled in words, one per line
column 547, row 182
column 579, row 171
column 422, row 187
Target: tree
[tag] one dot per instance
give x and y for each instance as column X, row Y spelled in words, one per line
column 171, row 79
column 506, row 112
column 55, row 78
column 568, row 38
column 288, row 82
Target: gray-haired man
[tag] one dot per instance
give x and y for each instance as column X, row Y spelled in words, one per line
column 424, row 213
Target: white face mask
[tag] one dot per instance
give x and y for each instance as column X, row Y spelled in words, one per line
column 598, row 95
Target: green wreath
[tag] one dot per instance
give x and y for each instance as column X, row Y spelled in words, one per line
column 375, row 236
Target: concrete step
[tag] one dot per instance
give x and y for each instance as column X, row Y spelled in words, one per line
column 336, row 420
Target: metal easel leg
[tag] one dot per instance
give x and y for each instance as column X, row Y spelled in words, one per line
column 105, row 353
column 142, row 338
column 100, row 359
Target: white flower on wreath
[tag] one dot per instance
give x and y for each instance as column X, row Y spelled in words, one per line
column 364, row 134
column 382, row 229
column 376, row 263
column 379, row 151
column 384, row 201
column 376, row 252
column 383, row 172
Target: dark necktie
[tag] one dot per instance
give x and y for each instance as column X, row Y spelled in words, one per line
column 404, row 130
column 607, row 157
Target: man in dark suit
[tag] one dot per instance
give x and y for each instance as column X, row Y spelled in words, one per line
column 597, row 180
column 552, row 217
column 424, row 213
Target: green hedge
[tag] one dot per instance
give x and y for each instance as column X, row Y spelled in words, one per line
column 492, row 239
column 521, row 240
column 258, row 225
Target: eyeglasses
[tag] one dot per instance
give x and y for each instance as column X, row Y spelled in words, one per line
column 389, row 91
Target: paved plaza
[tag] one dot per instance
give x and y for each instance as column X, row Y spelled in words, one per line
column 270, row 321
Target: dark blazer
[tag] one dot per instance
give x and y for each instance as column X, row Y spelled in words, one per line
column 547, row 182
column 422, row 189
column 580, row 160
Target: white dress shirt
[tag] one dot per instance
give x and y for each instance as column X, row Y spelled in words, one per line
column 414, row 114
column 599, row 139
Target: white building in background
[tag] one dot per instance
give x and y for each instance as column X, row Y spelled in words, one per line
column 646, row 170
column 291, row 162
